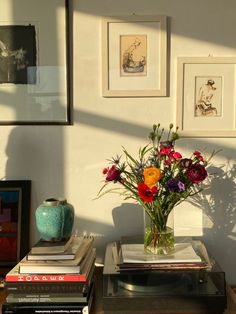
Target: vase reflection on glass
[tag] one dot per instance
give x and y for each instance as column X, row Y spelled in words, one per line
column 159, row 236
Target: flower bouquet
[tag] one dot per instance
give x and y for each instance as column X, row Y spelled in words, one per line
column 159, row 179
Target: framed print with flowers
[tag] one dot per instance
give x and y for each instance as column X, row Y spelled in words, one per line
column 206, row 96
column 34, row 62
column 134, row 56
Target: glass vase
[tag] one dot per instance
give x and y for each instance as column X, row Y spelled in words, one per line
column 159, row 240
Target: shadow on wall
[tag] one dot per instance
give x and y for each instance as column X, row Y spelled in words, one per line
column 37, row 154
column 34, row 152
column 111, row 124
column 218, row 201
column 127, row 220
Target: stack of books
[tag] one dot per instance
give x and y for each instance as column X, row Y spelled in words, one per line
column 54, row 277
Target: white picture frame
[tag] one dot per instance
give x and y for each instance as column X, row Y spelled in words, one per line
column 206, row 96
column 134, row 56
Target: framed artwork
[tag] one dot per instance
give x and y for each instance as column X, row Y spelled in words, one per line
column 14, row 221
column 134, row 56
column 34, row 62
column 206, row 96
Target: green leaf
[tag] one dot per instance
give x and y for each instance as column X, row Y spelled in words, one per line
column 112, row 190
column 130, row 157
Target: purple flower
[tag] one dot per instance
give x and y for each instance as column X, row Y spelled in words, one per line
column 175, row 185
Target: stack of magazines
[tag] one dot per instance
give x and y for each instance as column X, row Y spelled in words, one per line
column 186, row 255
column 53, row 277
column 185, row 281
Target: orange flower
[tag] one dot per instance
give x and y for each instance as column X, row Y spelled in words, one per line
column 151, row 176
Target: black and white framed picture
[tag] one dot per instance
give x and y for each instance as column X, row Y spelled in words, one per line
column 34, row 62
column 18, row 53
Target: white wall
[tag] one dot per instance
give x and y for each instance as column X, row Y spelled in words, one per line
column 68, row 161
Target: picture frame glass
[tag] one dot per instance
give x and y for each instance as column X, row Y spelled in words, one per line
column 206, row 97
column 136, row 43
column 134, row 56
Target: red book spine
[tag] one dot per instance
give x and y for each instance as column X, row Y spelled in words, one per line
column 46, row 278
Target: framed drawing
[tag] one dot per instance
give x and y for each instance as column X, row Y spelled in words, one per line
column 14, row 221
column 134, row 56
column 206, row 96
column 34, row 62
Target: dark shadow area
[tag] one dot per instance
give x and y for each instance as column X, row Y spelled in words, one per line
column 35, row 153
column 218, row 203
column 205, row 30
column 111, row 124
column 127, row 220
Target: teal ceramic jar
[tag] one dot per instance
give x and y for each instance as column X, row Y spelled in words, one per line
column 54, row 219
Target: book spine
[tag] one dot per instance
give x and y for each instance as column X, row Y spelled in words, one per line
column 45, row 278
column 18, row 287
column 51, row 297
column 35, row 308
column 45, row 299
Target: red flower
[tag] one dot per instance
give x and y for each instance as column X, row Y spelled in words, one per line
column 175, row 155
column 105, row 170
column 198, row 155
column 146, row 193
column 196, row 173
column 165, row 151
column 113, row 174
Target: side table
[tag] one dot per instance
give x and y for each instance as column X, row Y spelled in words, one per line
column 158, row 291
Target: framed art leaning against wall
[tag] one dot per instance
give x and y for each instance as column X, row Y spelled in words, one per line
column 34, row 62
column 14, row 221
column 134, row 56
column 206, row 96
